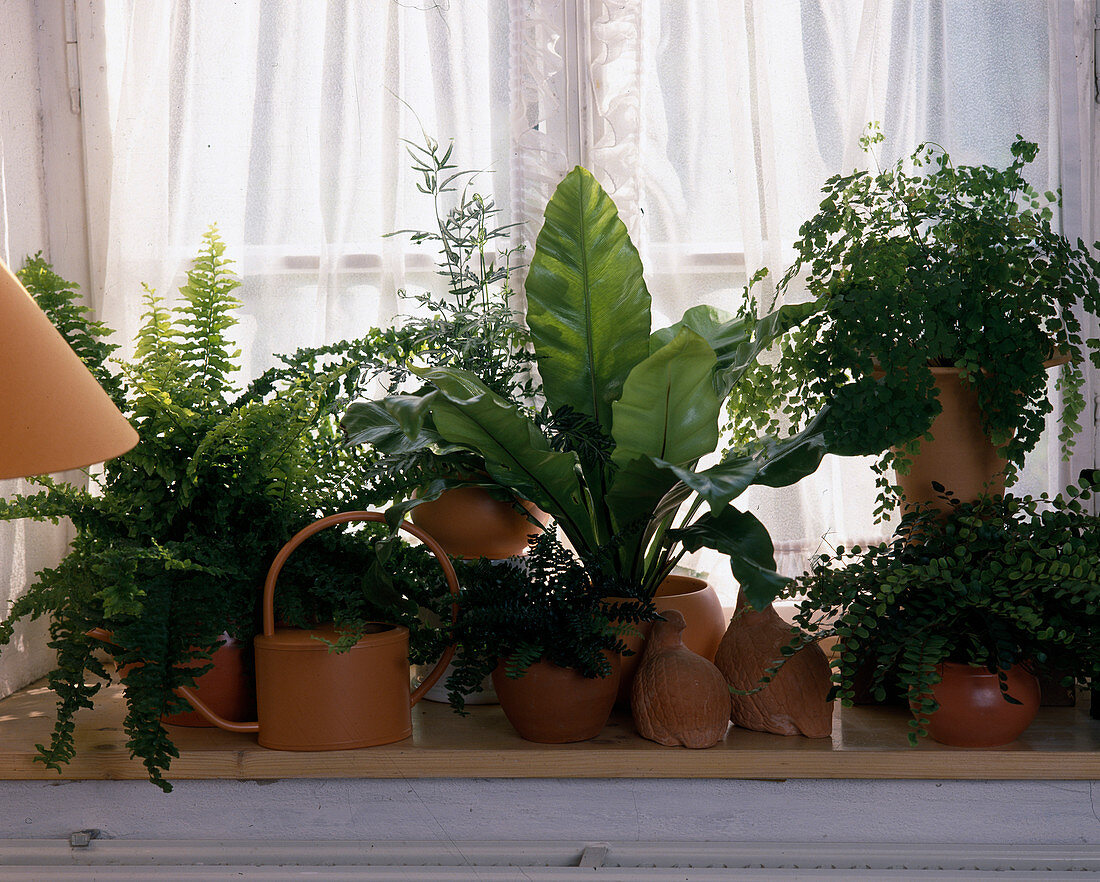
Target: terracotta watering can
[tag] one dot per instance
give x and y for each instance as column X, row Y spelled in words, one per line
column 309, row 698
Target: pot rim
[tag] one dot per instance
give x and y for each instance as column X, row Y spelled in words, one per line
column 693, row 584
column 978, row 669
column 939, row 370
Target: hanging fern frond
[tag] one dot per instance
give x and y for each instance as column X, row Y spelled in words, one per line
column 171, row 552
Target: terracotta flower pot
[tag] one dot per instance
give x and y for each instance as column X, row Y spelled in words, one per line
column 229, row 687
column 469, row 523
column 960, row 455
column 554, row 705
column 698, row 603
column 974, row 713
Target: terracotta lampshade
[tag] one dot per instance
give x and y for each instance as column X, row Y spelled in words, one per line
column 53, row 414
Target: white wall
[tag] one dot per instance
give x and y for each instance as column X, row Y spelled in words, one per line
column 978, row 812
column 41, row 209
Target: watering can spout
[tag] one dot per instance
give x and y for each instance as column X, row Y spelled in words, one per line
column 207, row 714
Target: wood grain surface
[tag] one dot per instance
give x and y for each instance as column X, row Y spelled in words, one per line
column 867, row 742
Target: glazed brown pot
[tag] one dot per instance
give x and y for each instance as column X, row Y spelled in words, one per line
column 698, row 603
column 554, row 705
column 469, row 523
column 310, row 698
column 229, row 687
column 973, row 712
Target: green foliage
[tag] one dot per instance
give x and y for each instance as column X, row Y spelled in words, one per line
column 998, row 582
column 613, row 456
column 473, row 326
column 944, row 265
column 544, row 606
column 59, row 299
column 587, row 303
column 172, row 547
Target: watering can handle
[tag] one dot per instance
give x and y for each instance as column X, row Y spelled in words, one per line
column 372, row 516
column 269, row 604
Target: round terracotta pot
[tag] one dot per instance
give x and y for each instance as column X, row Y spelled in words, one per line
column 554, row 705
column 469, row 523
column 973, row 712
column 960, row 455
column 698, row 603
column 229, row 687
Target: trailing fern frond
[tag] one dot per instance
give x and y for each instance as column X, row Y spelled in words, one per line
column 171, row 553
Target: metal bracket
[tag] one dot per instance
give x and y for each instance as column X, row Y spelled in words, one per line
column 1096, row 55
column 594, row 856
column 72, row 61
column 82, row 838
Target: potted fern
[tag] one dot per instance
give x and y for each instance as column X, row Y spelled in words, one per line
column 958, row 612
column 172, row 547
column 941, row 295
column 548, row 638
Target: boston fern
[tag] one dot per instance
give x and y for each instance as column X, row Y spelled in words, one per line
column 998, row 582
column 172, row 546
column 946, row 266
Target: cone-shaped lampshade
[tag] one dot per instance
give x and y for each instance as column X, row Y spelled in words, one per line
column 53, row 414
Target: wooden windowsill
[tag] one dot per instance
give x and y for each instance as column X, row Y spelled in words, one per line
column 867, row 742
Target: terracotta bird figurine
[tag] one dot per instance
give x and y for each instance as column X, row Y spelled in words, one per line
column 678, row 697
column 794, row 702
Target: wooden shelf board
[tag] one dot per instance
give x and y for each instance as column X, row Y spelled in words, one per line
column 867, row 742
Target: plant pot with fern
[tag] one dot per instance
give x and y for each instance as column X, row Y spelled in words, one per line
column 965, row 606
column 171, row 548
column 941, row 296
column 548, row 638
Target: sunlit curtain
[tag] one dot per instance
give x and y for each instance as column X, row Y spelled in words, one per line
column 282, row 122
column 713, row 123
column 25, row 547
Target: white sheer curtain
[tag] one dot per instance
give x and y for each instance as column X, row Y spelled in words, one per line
column 713, row 123
column 25, row 228
column 281, row 121
column 716, row 123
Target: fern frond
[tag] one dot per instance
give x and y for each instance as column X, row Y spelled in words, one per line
column 205, row 318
